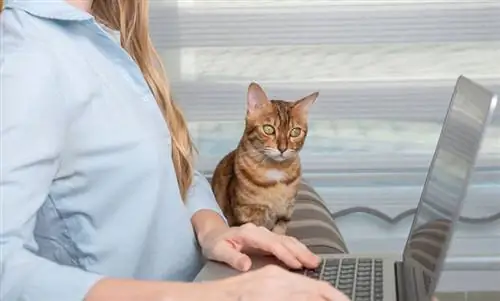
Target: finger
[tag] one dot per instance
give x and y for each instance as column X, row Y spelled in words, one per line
column 226, row 253
column 263, row 239
column 283, row 254
column 301, row 252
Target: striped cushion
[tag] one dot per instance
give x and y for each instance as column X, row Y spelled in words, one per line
column 313, row 224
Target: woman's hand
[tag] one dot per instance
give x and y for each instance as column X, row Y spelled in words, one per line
column 231, row 246
column 272, row 283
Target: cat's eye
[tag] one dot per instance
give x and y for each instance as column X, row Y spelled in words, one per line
column 295, row 132
column 268, row 129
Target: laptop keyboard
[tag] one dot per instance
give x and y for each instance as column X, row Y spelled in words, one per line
column 360, row 279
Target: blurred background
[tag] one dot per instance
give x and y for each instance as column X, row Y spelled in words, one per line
column 385, row 70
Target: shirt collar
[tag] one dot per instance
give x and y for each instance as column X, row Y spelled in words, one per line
column 53, row 9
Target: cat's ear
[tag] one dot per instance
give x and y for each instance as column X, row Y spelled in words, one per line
column 303, row 105
column 256, row 98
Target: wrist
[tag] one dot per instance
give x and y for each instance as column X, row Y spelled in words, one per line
column 189, row 291
column 221, row 290
column 206, row 223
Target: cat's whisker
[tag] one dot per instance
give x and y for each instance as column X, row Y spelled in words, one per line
column 253, row 154
column 259, row 158
column 247, row 151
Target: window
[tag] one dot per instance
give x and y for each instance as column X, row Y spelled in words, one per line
column 385, row 70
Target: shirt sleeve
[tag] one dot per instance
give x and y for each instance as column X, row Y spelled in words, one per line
column 200, row 196
column 34, row 121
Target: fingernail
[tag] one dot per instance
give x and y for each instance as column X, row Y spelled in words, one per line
column 299, row 264
column 316, row 261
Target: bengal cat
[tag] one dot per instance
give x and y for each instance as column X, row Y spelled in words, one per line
column 258, row 181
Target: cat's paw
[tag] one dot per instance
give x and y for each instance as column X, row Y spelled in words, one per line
column 280, row 229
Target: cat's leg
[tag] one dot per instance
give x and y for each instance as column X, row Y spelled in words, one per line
column 282, row 221
column 281, row 225
column 260, row 215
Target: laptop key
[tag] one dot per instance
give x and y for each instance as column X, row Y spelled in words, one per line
column 378, row 291
column 344, row 285
column 363, row 287
column 347, row 291
column 331, row 280
column 364, row 263
column 378, row 297
column 347, row 274
column 332, row 262
column 363, row 279
column 348, row 261
column 332, row 268
column 362, row 294
column 346, row 281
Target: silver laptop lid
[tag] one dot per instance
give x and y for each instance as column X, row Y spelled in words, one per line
column 444, row 191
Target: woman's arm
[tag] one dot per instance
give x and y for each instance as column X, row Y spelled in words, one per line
column 134, row 290
column 206, row 213
column 33, row 128
column 267, row 284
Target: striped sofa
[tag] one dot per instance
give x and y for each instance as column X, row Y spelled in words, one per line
column 313, row 224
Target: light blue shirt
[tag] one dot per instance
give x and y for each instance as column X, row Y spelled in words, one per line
column 88, row 187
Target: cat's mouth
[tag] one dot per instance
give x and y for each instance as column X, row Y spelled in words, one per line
column 279, row 156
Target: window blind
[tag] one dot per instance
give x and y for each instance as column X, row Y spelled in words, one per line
column 385, row 71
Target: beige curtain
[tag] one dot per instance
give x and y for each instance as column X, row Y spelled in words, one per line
column 385, row 70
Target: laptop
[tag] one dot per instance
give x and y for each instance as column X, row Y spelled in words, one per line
column 413, row 275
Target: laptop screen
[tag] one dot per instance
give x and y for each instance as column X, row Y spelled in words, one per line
column 445, row 187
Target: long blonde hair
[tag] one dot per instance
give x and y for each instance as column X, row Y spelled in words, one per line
column 131, row 18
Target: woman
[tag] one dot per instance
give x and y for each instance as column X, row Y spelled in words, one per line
column 100, row 199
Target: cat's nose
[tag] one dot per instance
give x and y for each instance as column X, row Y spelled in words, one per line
column 282, row 149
